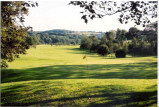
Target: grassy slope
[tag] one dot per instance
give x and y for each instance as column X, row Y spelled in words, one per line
column 57, row 75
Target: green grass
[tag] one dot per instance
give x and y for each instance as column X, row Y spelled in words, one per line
column 59, row 76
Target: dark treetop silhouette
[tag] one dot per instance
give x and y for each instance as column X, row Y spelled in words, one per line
column 137, row 11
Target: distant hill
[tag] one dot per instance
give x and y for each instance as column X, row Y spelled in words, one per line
column 63, row 32
column 61, row 36
column 57, row 31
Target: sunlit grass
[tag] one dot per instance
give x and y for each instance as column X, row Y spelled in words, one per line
column 45, row 55
column 83, row 92
column 58, row 76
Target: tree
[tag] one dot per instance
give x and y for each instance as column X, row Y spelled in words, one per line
column 13, row 32
column 31, row 41
column 103, row 40
column 116, row 46
column 121, row 34
column 86, row 43
column 137, row 11
column 141, row 48
column 152, row 26
column 108, row 39
column 150, row 32
column 110, row 35
column 103, row 50
column 133, row 33
column 95, row 43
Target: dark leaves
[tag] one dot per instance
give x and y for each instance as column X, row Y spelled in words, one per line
column 136, row 11
column 22, row 19
column 84, row 17
column 121, row 15
column 93, row 16
column 37, row 4
column 27, row 4
column 32, row 5
column 91, row 10
column 99, row 16
column 90, row 6
column 121, row 21
column 109, row 9
column 87, row 7
column 115, row 4
column 79, row 3
column 24, row 9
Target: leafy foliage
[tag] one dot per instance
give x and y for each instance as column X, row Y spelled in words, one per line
column 137, row 11
column 64, row 37
column 86, row 43
column 135, row 42
column 141, row 48
column 31, row 40
column 103, row 50
column 151, row 32
column 12, row 30
column 95, row 43
column 133, row 33
column 108, row 39
column 121, row 34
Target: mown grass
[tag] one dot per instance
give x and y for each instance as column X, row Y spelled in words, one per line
column 59, row 76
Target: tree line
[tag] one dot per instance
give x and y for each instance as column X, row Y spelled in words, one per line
column 134, row 42
column 44, row 38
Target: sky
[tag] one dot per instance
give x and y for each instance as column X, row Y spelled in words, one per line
column 57, row 14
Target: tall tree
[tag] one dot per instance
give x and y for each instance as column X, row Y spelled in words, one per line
column 150, row 32
column 95, row 43
column 13, row 32
column 133, row 32
column 120, row 34
column 86, row 43
column 151, row 35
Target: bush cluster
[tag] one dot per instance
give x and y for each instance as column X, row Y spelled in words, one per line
column 134, row 42
column 103, row 50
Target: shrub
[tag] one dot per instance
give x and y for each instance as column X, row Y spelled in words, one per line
column 103, row 50
column 120, row 53
column 86, row 43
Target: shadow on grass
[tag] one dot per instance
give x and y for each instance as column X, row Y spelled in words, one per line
column 81, row 51
column 94, row 71
column 109, row 96
column 90, row 53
